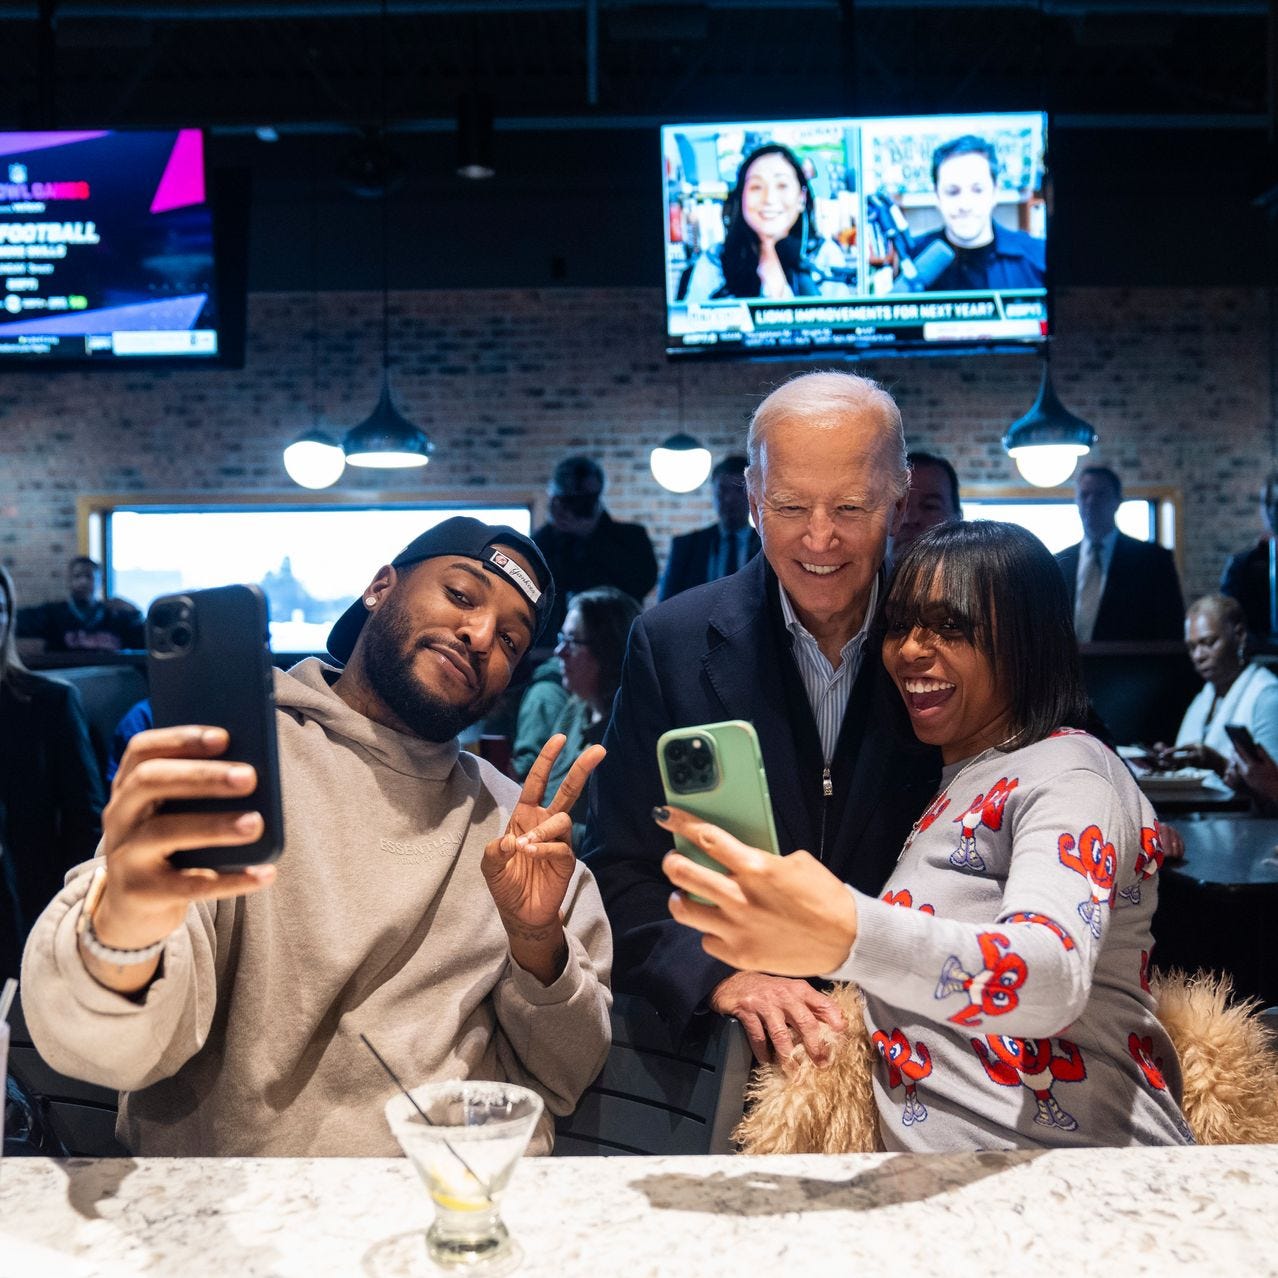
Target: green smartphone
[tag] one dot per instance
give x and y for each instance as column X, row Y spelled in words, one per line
column 715, row 771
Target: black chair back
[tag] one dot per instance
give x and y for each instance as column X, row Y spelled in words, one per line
column 69, row 1117
column 660, row 1093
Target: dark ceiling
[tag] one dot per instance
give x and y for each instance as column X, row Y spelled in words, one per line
column 293, row 64
column 1161, row 111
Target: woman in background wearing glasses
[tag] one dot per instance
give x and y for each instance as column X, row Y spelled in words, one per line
column 590, row 648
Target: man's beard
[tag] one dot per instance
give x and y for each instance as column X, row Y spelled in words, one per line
column 389, row 653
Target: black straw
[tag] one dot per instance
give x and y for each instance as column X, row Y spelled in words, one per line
column 381, row 1060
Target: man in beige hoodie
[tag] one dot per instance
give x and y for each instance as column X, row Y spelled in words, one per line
column 421, row 898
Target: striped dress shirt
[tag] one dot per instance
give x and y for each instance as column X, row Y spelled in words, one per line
column 828, row 688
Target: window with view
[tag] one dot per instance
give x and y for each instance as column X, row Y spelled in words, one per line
column 311, row 562
column 1055, row 522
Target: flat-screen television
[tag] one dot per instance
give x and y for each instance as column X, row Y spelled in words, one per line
column 906, row 234
column 108, row 250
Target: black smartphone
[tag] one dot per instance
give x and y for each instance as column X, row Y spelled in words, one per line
column 209, row 661
column 1244, row 743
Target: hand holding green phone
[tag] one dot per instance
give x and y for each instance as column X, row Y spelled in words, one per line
column 715, row 771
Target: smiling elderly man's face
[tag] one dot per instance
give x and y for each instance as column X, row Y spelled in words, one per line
column 824, row 509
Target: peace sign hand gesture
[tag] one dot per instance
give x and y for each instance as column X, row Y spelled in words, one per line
column 528, row 869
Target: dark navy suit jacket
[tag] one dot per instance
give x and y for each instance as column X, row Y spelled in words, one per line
column 690, row 558
column 1141, row 600
column 716, row 652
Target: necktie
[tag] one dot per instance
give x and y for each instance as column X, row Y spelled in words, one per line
column 730, row 555
column 1087, row 601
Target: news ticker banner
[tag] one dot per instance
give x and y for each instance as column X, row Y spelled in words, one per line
column 1002, row 316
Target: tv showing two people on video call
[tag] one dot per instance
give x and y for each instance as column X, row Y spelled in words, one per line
column 912, row 232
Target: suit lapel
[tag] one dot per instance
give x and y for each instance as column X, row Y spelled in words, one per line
column 1114, row 600
column 1069, row 570
column 744, row 669
column 874, row 736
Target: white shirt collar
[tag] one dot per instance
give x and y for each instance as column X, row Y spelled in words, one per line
column 800, row 631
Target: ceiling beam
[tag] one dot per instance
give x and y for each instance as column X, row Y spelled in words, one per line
column 240, row 10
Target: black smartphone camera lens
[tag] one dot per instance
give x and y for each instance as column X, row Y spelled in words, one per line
column 690, row 764
column 171, row 626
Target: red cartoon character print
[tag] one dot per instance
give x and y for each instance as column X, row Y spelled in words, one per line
column 1095, row 859
column 1149, row 860
column 933, row 810
column 905, row 1065
column 1023, row 916
column 1033, row 1063
column 990, row 991
column 1142, row 1052
column 985, row 810
column 904, row 897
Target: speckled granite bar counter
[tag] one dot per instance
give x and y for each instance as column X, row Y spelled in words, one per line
column 1069, row 1212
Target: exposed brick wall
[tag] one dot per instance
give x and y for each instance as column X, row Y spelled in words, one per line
column 1176, row 381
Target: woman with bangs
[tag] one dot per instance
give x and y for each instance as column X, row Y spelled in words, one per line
column 1005, row 967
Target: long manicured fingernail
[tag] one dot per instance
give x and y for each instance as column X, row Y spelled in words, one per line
column 661, row 814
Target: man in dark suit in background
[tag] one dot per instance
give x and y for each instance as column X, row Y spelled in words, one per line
column 723, row 547
column 585, row 546
column 1120, row 588
column 1246, row 575
column 785, row 643
column 933, row 500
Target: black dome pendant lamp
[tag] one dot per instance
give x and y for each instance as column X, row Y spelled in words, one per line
column 386, row 439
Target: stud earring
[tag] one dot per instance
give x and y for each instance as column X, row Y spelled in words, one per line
column 370, row 601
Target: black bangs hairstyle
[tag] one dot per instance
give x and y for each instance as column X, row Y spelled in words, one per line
column 740, row 255
column 999, row 587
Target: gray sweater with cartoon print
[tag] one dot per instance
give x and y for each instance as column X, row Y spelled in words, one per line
column 1005, row 966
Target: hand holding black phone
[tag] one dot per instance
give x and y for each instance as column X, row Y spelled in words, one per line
column 1243, row 742
column 209, row 662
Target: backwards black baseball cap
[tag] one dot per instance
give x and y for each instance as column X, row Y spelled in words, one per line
column 470, row 539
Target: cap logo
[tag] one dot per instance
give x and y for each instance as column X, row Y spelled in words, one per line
column 525, row 584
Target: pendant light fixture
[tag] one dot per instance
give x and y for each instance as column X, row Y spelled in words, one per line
column 680, row 464
column 475, row 136
column 386, row 439
column 1047, row 442
column 315, row 459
